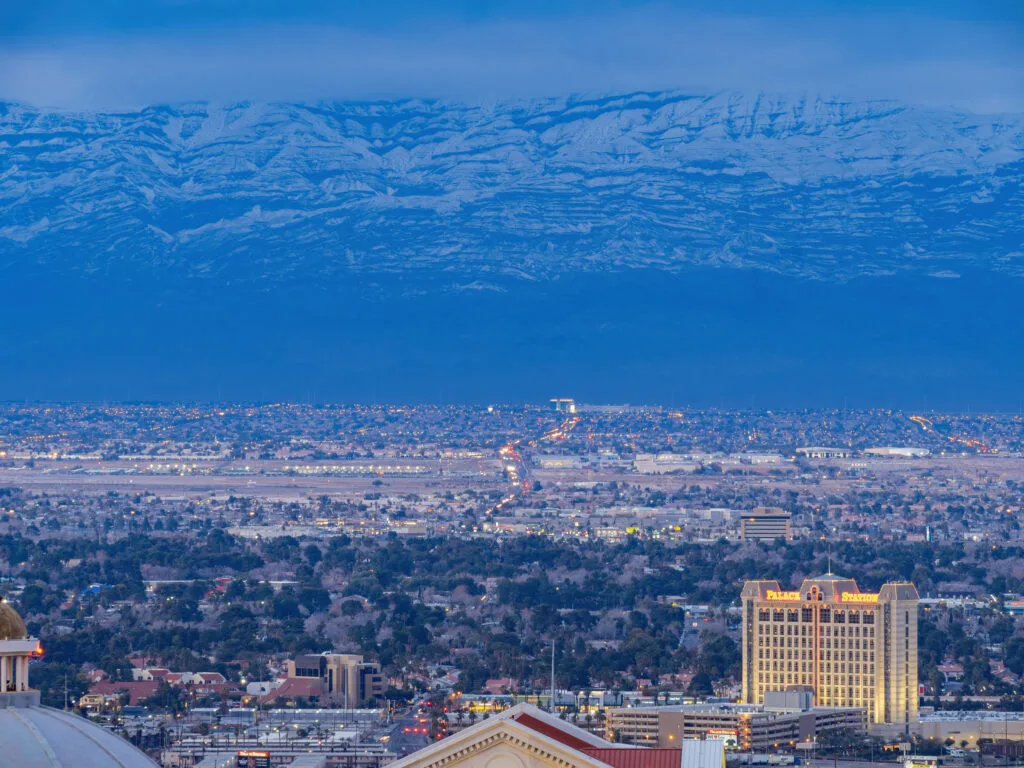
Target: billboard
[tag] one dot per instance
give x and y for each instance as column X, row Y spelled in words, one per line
column 250, row 758
column 729, row 738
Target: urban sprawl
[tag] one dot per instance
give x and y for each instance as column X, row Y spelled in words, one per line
column 609, row 586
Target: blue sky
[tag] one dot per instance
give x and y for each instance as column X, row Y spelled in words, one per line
column 126, row 53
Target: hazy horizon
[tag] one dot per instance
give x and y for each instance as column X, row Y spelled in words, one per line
column 117, row 54
column 646, row 247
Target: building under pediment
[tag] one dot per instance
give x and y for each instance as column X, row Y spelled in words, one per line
column 527, row 737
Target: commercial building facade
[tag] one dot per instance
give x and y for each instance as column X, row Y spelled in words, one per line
column 747, row 727
column 982, row 729
column 765, row 524
column 848, row 648
column 345, row 680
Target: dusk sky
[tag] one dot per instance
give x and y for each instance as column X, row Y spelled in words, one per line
column 128, row 53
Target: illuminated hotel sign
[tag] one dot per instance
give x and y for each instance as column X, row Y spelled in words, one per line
column 249, row 758
column 859, row 597
column 774, row 594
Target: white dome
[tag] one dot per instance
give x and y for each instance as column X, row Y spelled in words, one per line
column 50, row 738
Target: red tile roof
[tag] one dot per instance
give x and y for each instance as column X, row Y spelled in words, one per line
column 293, row 687
column 495, row 685
column 617, row 757
column 637, row 757
column 137, row 690
column 554, row 732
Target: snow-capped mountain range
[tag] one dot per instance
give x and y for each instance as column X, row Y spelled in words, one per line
column 811, row 187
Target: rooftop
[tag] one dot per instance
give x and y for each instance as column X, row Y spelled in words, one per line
column 34, row 736
column 11, row 625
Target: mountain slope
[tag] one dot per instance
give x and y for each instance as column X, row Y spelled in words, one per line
column 278, row 193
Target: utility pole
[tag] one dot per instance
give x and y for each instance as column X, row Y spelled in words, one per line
column 552, row 676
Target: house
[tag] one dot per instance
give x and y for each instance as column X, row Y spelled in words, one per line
column 95, row 675
column 679, row 680
column 96, row 701
column 147, row 673
column 202, row 678
column 293, row 689
column 137, row 690
column 951, row 671
column 526, row 736
column 499, row 685
column 1001, row 673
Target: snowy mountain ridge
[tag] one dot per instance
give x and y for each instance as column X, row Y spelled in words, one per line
column 809, row 187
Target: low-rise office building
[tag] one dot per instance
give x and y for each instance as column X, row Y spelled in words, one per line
column 765, row 524
column 783, row 721
column 332, row 679
column 976, row 727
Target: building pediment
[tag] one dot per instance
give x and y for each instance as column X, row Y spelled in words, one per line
column 500, row 743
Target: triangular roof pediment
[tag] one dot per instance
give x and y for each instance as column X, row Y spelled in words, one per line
column 502, row 742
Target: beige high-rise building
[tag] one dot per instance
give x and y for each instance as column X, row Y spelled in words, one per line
column 344, row 679
column 849, row 648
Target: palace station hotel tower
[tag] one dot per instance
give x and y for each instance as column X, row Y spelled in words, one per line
column 849, row 648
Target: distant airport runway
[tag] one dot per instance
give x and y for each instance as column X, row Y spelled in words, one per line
column 270, row 486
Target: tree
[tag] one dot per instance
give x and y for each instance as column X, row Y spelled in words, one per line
column 235, row 590
column 285, row 605
column 313, row 555
column 719, row 657
column 1013, row 655
column 34, row 599
column 181, row 609
column 168, row 698
column 1002, row 630
column 315, row 599
column 701, row 685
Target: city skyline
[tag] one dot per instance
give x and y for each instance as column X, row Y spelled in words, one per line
column 411, row 578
